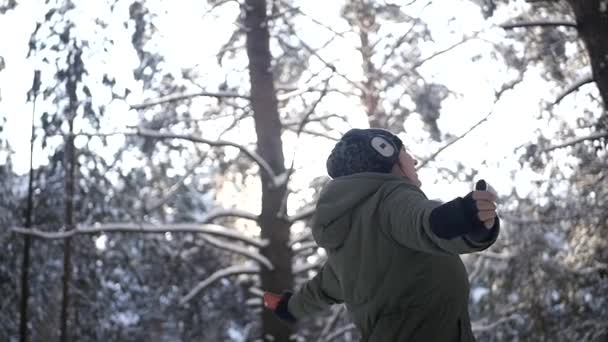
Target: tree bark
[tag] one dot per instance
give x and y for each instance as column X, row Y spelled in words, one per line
column 25, row 268
column 270, row 148
column 75, row 71
column 592, row 24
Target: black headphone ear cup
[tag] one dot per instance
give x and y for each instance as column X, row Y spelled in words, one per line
column 384, row 147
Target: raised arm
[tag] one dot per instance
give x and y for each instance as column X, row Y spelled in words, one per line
column 455, row 227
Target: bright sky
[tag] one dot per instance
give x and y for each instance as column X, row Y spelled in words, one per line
column 512, row 124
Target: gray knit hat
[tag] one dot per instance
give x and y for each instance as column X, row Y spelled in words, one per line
column 364, row 150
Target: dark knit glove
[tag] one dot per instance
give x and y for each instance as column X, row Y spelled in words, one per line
column 459, row 217
column 279, row 305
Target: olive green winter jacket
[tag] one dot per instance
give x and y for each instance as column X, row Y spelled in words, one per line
column 398, row 280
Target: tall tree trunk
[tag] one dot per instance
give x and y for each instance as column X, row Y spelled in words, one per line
column 270, row 147
column 371, row 94
column 75, row 71
column 592, row 22
column 25, row 270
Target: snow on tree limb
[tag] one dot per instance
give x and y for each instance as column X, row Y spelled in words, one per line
column 278, row 180
column 511, row 26
column 301, row 268
column 210, row 229
column 304, row 246
column 331, row 322
column 185, row 96
column 219, row 213
column 302, row 215
column 595, row 136
column 480, row 327
column 223, row 273
column 238, row 249
column 339, row 332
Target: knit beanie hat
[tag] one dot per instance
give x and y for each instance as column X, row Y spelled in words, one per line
column 364, row 150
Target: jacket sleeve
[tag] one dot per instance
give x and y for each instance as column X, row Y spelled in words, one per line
column 406, row 216
column 317, row 294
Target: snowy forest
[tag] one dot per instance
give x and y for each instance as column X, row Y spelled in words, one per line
column 160, row 160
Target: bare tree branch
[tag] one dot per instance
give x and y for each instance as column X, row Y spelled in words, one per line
column 511, row 26
column 498, row 95
column 572, row 88
column 186, row 96
column 277, row 181
column 298, row 10
column 238, row 249
column 210, row 229
column 313, row 133
column 223, row 273
column 419, row 63
column 595, row 136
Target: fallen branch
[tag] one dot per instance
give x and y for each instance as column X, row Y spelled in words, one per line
column 238, row 249
column 226, row 272
column 180, row 97
column 210, row 229
column 511, row 26
column 576, row 141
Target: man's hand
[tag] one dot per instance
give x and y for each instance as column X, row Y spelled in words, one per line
column 485, row 201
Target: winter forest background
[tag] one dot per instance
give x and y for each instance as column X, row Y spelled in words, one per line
column 179, row 146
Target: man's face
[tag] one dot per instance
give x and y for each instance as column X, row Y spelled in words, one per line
column 408, row 167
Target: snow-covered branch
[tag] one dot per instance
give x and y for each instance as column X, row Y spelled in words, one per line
column 174, row 188
column 305, row 236
column 223, row 273
column 331, row 322
column 340, row 331
column 595, row 136
column 510, row 26
column 209, row 229
column 480, row 327
column 185, row 96
column 238, row 213
column 302, row 215
column 238, row 249
column 298, row 269
column 276, row 179
column 304, row 246
column 498, row 256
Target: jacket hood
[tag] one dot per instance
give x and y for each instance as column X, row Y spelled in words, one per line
column 332, row 220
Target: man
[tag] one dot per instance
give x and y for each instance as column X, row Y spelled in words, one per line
column 393, row 255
